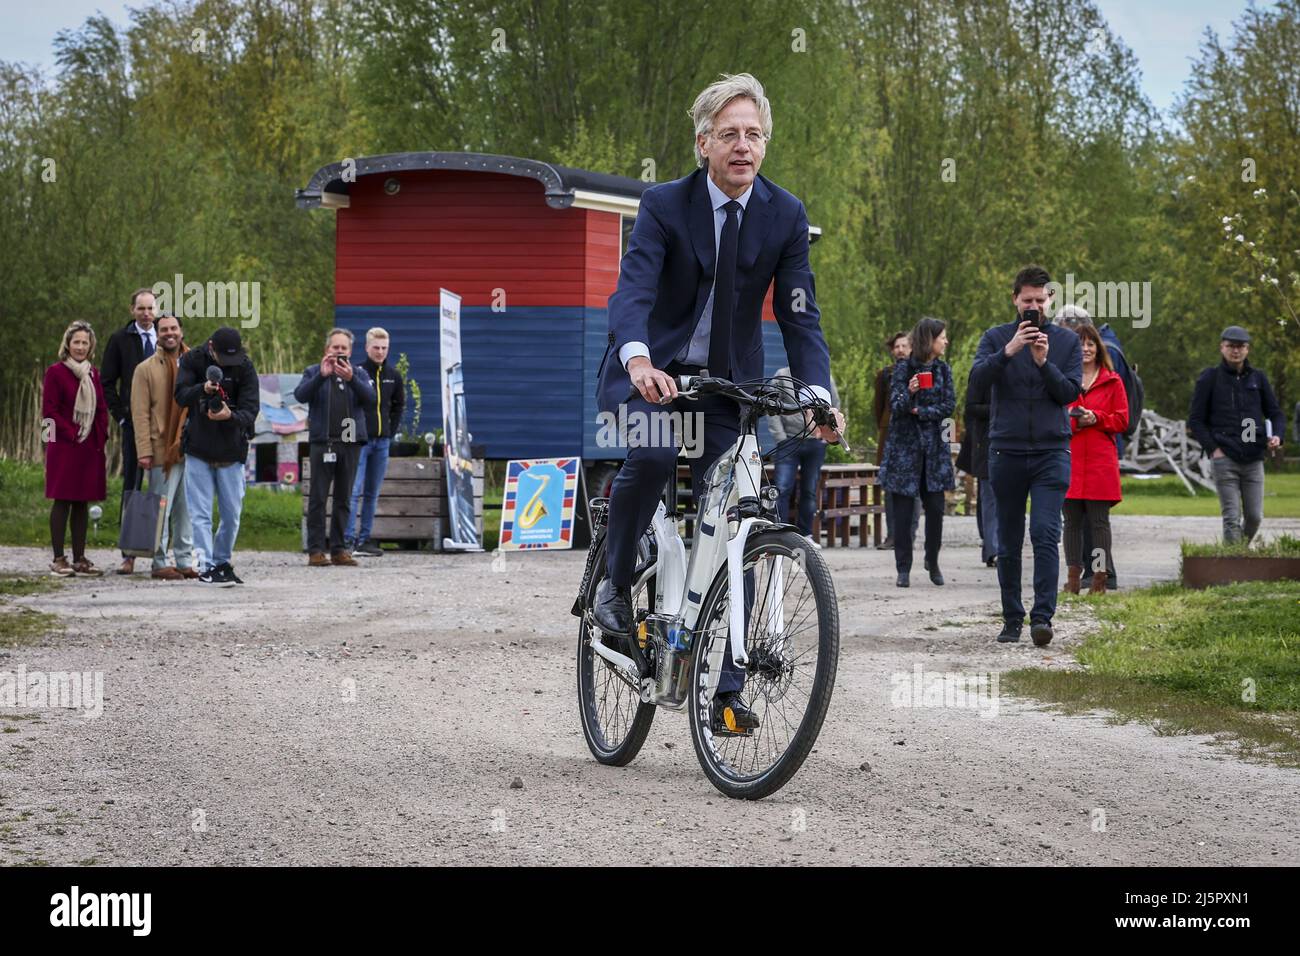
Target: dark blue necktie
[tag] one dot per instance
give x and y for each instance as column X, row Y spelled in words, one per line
column 148, row 344
column 724, row 294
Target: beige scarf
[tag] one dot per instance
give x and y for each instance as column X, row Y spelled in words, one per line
column 83, row 412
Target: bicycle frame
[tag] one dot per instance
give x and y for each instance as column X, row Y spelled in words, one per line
column 680, row 588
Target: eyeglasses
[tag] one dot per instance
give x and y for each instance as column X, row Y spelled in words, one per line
column 729, row 137
column 1236, row 345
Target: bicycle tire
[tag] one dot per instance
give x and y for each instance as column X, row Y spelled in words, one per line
column 592, row 683
column 788, row 544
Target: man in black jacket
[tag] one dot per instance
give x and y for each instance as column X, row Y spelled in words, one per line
column 382, row 421
column 338, row 396
column 127, row 348
column 1033, row 369
column 1235, row 417
column 218, row 384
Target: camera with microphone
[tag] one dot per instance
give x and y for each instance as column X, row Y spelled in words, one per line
column 213, row 401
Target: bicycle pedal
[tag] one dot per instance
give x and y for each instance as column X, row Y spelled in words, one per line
column 733, row 727
column 724, row 732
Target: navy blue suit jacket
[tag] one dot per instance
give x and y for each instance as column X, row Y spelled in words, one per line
column 667, row 272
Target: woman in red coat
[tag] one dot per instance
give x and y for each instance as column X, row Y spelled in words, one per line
column 1096, row 417
column 75, row 430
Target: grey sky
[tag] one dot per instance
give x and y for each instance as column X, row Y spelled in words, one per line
column 1163, row 34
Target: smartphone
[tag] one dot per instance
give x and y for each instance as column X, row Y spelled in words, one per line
column 1076, row 411
column 1034, row 316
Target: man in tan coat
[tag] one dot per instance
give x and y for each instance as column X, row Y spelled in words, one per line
column 158, row 421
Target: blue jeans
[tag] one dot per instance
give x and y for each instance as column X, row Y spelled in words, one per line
column 804, row 456
column 202, row 480
column 371, row 467
column 1042, row 478
column 177, row 528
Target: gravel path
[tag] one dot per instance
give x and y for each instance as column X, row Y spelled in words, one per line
column 380, row 715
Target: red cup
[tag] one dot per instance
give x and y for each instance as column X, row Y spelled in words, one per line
column 925, row 379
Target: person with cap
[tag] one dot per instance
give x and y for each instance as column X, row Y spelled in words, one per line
column 1236, row 418
column 218, row 386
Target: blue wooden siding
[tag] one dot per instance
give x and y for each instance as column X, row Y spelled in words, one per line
column 530, row 373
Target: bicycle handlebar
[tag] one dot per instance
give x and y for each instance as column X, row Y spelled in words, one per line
column 771, row 399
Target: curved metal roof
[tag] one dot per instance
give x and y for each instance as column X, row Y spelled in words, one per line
column 329, row 183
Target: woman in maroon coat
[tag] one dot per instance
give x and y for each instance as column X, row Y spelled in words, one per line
column 1096, row 417
column 75, row 430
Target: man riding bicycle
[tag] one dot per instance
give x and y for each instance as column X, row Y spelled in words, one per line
column 702, row 255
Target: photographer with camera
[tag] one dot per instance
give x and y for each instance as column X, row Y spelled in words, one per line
column 1034, row 369
column 339, row 396
column 218, row 385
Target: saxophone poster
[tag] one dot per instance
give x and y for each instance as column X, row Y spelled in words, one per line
column 538, row 508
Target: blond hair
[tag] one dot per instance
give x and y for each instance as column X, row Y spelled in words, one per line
column 713, row 99
column 78, row 326
column 375, row 334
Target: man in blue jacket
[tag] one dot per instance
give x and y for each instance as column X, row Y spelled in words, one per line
column 1233, row 410
column 703, row 252
column 1033, row 370
column 338, row 397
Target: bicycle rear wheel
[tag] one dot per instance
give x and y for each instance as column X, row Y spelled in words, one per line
column 614, row 720
column 792, row 641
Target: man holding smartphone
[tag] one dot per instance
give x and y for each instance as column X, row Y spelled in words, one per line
column 338, row 397
column 1033, row 369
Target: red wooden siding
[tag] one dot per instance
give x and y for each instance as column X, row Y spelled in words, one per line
column 465, row 231
column 473, row 233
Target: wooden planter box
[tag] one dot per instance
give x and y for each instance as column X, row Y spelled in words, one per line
column 412, row 505
column 1203, row 572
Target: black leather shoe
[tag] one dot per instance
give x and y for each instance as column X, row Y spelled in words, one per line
column 903, row 581
column 731, row 715
column 612, row 609
column 936, row 576
column 886, row 545
column 1041, row 634
column 1010, row 633
column 991, row 563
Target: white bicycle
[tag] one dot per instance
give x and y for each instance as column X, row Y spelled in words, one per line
column 753, row 585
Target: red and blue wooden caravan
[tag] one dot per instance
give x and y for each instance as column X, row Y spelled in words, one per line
column 533, row 250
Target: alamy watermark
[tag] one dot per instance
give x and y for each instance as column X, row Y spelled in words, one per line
column 658, row 429
column 1104, row 300
column 211, row 300
column 970, row 690
column 38, row 690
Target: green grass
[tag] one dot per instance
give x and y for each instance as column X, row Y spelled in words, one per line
column 1283, row 546
column 20, row 626
column 1222, row 661
column 1166, row 495
column 270, row 520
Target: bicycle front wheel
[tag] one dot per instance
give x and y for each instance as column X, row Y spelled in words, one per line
column 792, row 641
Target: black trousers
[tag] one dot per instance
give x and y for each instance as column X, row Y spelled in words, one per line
column 324, row 476
column 904, row 509
column 130, row 469
column 1088, row 520
column 637, row 488
column 1112, row 580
